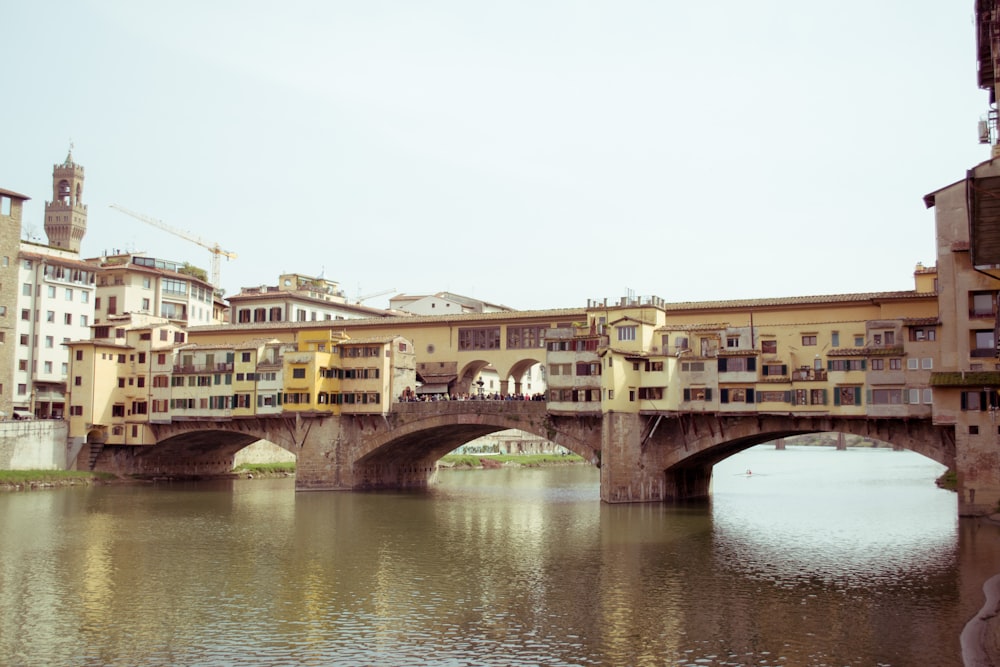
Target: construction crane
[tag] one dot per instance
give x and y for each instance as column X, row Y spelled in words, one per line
column 213, row 248
column 365, row 297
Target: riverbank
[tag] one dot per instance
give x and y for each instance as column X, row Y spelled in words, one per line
column 487, row 461
column 27, row 480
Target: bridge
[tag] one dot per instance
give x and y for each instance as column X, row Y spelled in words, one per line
column 642, row 458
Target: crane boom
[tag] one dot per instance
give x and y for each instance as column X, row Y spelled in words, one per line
column 213, row 248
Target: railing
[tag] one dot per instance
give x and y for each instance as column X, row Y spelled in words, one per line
column 204, row 368
column 809, row 375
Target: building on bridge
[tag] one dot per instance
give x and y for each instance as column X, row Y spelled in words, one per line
column 850, row 355
column 137, row 371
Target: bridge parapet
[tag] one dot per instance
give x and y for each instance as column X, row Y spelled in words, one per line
column 486, row 407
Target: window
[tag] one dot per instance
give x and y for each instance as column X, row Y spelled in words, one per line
column 78, row 380
column 112, row 305
column 846, row 365
column 912, row 364
column 51, row 291
column 809, row 341
column 50, row 316
column 69, row 294
column 68, row 318
column 981, row 304
column 732, row 341
column 878, row 364
column 627, row 332
column 769, row 346
column 927, row 363
column 244, row 357
column 479, row 338
column 835, row 338
column 737, row 364
column 887, row 397
column 895, row 364
column 299, row 373
column 25, row 314
column 859, row 341
column 84, row 296
column 49, row 342
column 145, row 305
column 23, row 339
column 923, row 333
column 84, row 321
column 26, row 289
column 697, row 393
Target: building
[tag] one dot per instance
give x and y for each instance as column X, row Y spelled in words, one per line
column 55, row 300
column 865, row 355
column 121, row 379
column 66, row 214
column 442, row 303
column 11, row 211
column 296, row 298
column 136, row 283
column 55, row 305
column 137, row 370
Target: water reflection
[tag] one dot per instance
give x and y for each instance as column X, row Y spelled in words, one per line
column 502, row 567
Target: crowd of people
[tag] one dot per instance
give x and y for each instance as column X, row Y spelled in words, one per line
column 411, row 396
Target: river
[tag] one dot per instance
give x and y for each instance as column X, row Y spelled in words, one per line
column 817, row 557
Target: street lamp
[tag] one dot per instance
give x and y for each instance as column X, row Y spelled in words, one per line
column 480, row 384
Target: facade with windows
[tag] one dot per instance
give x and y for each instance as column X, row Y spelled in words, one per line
column 120, row 379
column 296, row 298
column 850, row 355
column 11, row 211
column 55, row 305
column 137, row 370
column 134, row 283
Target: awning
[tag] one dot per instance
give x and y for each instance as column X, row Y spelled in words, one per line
column 433, row 388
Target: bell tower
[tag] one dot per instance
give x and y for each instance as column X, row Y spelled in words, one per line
column 66, row 214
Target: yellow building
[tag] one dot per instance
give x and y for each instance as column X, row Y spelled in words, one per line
column 850, row 355
column 338, row 375
column 119, row 380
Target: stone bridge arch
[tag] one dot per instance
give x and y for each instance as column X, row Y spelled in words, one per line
column 663, row 457
column 401, row 449
column 199, row 447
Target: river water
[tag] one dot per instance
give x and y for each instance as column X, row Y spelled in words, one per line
column 817, row 557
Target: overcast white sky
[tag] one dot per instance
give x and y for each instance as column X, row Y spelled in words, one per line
column 534, row 153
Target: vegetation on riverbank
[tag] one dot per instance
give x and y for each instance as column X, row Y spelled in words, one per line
column 32, row 479
column 267, row 469
column 496, row 460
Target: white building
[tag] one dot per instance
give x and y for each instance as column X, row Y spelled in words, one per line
column 443, row 303
column 296, row 298
column 135, row 283
column 55, row 305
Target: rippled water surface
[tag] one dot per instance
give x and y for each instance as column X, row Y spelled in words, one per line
column 817, row 557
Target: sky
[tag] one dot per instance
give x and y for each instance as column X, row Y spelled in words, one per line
column 531, row 153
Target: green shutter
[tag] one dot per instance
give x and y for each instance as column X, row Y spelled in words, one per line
column 836, row 397
column 857, row 396
column 723, row 395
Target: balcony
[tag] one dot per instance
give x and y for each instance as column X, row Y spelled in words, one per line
column 204, row 368
column 809, row 375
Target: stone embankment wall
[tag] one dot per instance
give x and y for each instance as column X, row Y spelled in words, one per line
column 33, row 445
